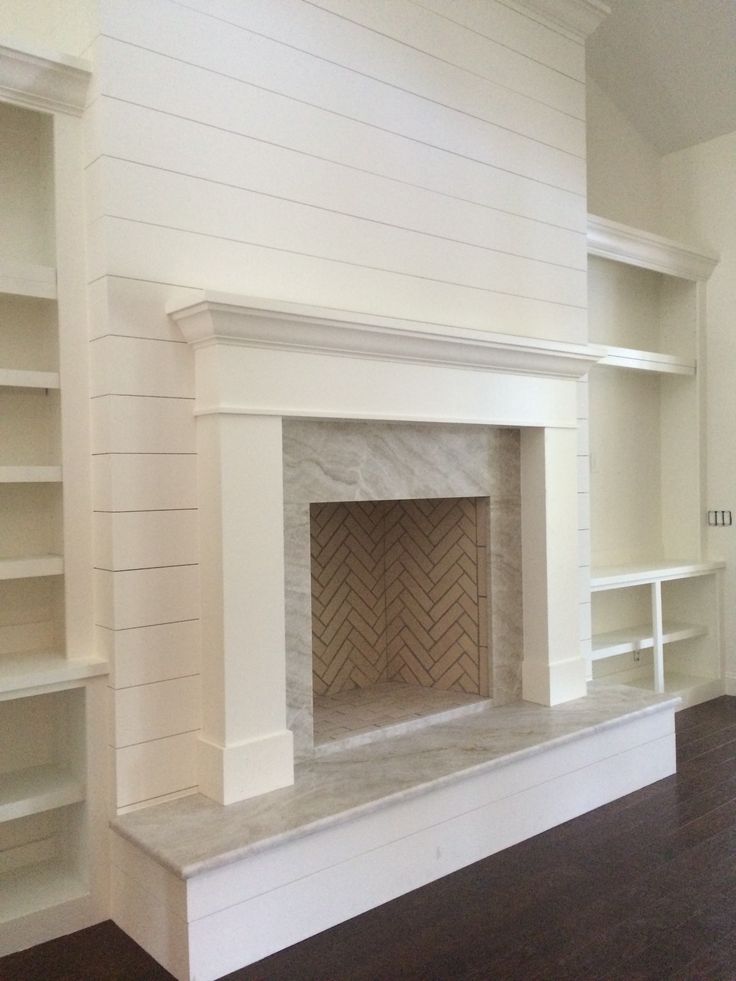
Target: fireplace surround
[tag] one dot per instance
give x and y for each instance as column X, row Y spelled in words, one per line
column 332, row 465
column 264, row 368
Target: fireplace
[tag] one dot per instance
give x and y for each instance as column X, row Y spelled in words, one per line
column 298, row 406
column 399, row 594
column 402, row 566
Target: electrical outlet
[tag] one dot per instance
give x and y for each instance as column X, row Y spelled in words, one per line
column 719, row 519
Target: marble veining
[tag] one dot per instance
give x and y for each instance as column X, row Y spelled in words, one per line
column 362, row 715
column 194, row 834
column 343, row 460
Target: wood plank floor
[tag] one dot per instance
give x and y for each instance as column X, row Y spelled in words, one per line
column 643, row 888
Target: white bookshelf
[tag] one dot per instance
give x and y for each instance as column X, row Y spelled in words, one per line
column 51, row 716
column 655, row 602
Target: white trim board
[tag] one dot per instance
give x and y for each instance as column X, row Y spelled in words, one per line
column 41, row 79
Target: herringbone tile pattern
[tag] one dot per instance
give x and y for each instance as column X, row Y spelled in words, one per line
column 348, row 596
column 398, row 594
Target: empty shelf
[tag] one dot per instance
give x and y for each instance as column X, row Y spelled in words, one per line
column 16, row 378
column 630, row 639
column 29, row 475
column 34, row 669
column 28, row 279
column 624, row 357
column 31, row 566
column 36, row 789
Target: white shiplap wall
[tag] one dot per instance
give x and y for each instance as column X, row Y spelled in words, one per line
column 413, row 158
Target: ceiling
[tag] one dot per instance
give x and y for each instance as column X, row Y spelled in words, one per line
column 670, row 66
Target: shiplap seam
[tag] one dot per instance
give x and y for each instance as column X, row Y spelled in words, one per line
column 326, row 210
column 163, row 623
column 397, row 40
column 136, row 337
column 384, row 129
column 144, row 684
column 335, row 163
column 155, row 739
column 342, row 262
column 501, row 44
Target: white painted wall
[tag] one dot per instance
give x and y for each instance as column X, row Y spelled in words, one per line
column 416, row 160
column 61, row 25
column 699, row 195
column 623, row 168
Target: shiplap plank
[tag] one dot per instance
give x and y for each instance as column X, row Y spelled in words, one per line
column 144, row 597
column 142, row 655
column 141, row 424
column 129, row 308
column 137, row 250
column 515, row 136
column 519, row 31
column 178, row 145
column 354, row 98
column 134, row 366
column 153, row 769
column 144, row 482
column 134, row 75
column 415, row 26
column 436, row 60
column 145, row 539
column 154, row 711
column 192, row 205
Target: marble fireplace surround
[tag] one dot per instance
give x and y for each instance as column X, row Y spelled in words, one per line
column 267, row 374
column 377, row 461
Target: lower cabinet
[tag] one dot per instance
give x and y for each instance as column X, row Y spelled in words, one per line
column 659, row 628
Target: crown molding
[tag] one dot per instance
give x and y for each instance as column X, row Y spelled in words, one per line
column 580, row 17
column 217, row 318
column 48, row 81
column 612, row 240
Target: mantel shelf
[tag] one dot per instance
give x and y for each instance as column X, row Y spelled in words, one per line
column 630, row 639
column 611, row 577
column 14, row 378
column 28, row 567
column 30, row 475
column 39, row 669
column 624, row 357
column 27, row 279
column 37, row 789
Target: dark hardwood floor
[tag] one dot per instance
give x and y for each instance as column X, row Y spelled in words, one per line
column 643, row 888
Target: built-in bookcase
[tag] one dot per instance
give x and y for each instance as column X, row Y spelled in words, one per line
column 50, row 695
column 655, row 600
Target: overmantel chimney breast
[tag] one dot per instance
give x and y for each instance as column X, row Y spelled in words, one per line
column 260, row 361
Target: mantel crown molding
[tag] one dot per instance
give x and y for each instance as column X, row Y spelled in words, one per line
column 579, row 17
column 217, row 318
column 622, row 243
column 43, row 80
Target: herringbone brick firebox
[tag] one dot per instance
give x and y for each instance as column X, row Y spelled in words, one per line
column 399, row 594
column 419, row 582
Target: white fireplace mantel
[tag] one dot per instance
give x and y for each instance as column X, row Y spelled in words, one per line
column 225, row 318
column 259, row 361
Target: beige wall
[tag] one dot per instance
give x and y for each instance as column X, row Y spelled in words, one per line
column 623, row 169
column 699, row 195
